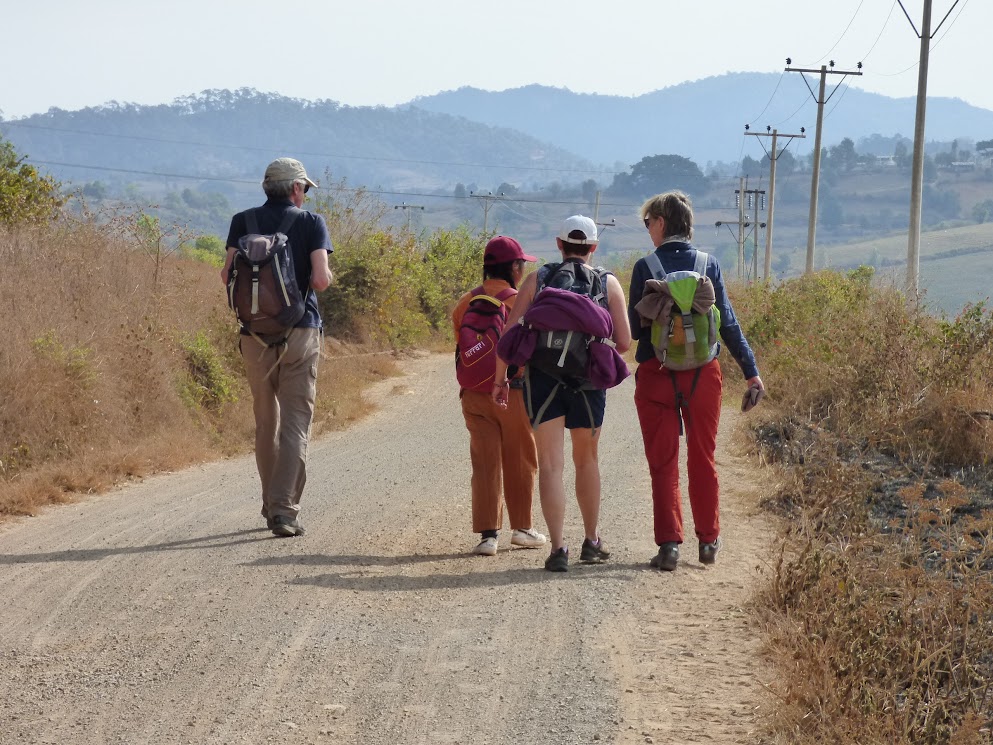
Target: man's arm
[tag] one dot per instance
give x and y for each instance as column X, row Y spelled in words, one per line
column 320, row 270
column 225, row 270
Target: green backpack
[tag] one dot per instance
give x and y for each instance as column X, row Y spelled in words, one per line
column 690, row 339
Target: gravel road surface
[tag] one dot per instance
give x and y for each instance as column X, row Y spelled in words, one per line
column 164, row 612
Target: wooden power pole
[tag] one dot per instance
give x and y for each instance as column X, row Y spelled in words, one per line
column 824, row 71
column 773, row 155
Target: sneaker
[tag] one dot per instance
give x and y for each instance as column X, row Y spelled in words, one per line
column 529, row 538
column 594, row 553
column 667, row 558
column 708, row 551
column 486, row 547
column 558, row 561
column 285, row 527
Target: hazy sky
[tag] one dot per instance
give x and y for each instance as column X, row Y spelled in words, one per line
column 70, row 54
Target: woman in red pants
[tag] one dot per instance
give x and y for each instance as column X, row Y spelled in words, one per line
column 673, row 402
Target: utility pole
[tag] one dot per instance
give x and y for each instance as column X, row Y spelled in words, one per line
column 773, row 155
column 487, row 198
column 755, row 196
column 917, row 169
column 815, row 177
column 407, row 208
column 739, row 198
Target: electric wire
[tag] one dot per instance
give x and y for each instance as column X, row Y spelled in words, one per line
column 191, row 177
column 253, row 148
column 843, row 33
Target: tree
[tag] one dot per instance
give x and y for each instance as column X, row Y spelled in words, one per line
column 589, row 189
column 751, row 167
column 843, row 155
column 460, row 191
column 25, row 195
column 657, row 173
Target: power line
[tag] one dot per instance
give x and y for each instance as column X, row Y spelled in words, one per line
column 880, row 34
column 191, row 177
column 224, row 146
column 778, row 82
column 843, row 33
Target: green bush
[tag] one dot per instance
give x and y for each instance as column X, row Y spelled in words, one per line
column 206, row 384
column 388, row 289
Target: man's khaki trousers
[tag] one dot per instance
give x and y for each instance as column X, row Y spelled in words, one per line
column 283, row 399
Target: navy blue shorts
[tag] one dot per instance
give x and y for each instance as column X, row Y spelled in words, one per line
column 567, row 402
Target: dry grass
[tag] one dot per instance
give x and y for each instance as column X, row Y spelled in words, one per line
column 879, row 611
column 98, row 382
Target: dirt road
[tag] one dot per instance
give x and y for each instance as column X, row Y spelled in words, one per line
column 164, row 612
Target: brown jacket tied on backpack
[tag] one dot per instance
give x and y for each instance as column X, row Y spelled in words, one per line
column 656, row 302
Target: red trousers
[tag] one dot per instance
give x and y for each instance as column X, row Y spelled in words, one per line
column 504, row 460
column 655, row 398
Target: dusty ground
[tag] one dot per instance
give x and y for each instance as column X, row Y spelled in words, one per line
column 164, row 612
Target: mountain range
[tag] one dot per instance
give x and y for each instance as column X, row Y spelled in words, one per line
column 704, row 119
column 529, row 136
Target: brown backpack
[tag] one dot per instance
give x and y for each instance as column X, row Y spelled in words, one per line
column 262, row 284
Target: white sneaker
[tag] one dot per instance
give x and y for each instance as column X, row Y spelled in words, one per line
column 529, row 538
column 486, row 547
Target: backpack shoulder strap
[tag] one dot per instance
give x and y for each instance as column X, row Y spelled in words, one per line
column 545, row 272
column 700, row 265
column 601, row 274
column 504, row 295
column 655, row 265
column 288, row 219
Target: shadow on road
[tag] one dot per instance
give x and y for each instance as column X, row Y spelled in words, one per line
column 95, row 554
column 399, row 582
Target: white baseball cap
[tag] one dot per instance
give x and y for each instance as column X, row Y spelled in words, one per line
column 581, row 223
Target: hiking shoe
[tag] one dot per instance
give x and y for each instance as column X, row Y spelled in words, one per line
column 285, row 527
column 486, row 547
column 558, row 561
column 529, row 538
column 594, row 553
column 708, row 551
column 667, row 558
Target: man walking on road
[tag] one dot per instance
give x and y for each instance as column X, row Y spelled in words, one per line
column 282, row 370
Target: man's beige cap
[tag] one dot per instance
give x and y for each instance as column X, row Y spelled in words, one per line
column 287, row 169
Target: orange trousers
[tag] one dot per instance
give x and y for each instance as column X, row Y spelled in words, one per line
column 504, row 460
column 659, row 415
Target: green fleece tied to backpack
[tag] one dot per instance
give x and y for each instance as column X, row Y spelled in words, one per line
column 684, row 320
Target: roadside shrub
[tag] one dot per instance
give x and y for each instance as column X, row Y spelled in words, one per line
column 205, row 384
column 879, row 607
column 388, row 289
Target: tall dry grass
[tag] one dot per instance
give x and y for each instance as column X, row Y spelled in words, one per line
column 879, row 604
column 118, row 362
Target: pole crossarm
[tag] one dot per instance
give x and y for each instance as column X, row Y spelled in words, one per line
column 801, row 136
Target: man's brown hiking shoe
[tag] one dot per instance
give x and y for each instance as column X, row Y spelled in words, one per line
column 286, row 527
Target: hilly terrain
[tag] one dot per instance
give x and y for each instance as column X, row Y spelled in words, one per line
column 703, row 119
column 225, row 138
column 516, row 161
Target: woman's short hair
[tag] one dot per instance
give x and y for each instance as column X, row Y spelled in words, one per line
column 675, row 208
column 278, row 189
